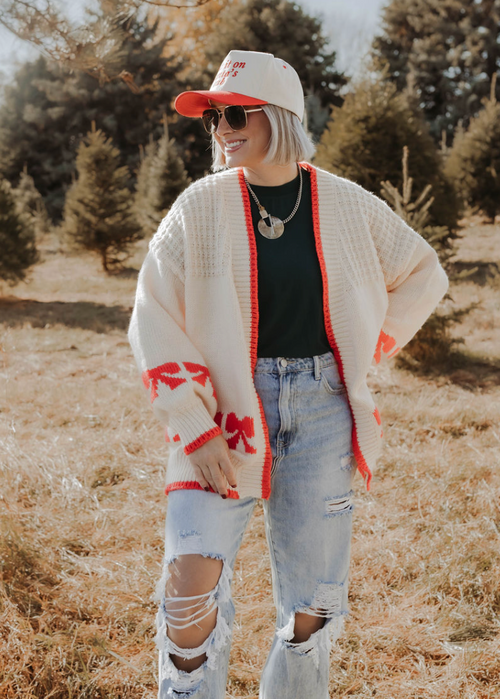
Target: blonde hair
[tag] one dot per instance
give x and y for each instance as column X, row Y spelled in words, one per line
column 289, row 142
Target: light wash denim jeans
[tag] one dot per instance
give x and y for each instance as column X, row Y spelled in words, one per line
column 308, row 520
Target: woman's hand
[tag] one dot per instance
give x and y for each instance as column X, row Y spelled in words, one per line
column 213, row 466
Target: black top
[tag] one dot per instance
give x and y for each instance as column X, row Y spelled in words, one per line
column 290, row 289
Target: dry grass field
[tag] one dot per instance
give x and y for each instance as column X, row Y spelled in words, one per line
column 82, row 506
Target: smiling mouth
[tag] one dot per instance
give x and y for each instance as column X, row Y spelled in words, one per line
column 230, row 147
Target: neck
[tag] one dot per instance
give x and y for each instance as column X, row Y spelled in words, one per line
column 271, row 175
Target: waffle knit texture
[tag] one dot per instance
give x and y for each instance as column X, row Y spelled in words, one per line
column 194, row 327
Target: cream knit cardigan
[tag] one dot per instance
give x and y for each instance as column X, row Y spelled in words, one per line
column 195, row 321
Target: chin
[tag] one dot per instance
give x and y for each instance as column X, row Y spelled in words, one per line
column 232, row 161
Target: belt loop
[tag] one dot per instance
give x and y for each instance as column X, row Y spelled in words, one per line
column 317, row 370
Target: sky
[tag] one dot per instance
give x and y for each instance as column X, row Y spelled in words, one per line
column 350, row 24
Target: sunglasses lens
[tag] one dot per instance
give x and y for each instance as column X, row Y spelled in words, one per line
column 210, row 118
column 236, row 117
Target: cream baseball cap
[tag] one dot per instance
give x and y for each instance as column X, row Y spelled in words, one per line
column 248, row 77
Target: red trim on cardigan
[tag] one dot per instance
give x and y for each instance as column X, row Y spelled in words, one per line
column 266, row 474
column 194, row 485
column 200, row 441
column 360, row 459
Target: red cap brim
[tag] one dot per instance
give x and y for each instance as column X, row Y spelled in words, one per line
column 194, row 103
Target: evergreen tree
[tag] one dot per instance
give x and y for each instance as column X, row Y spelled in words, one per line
column 416, row 213
column 160, row 180
column 474, row 159
column 47, row 110
column 98, row 212
column 30, row 205
column 365, row 138
column 450, row 48
column 17, row 241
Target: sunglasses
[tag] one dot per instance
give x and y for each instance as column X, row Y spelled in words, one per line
column 235, row 115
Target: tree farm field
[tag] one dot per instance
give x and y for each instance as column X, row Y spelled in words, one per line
column 82, row 505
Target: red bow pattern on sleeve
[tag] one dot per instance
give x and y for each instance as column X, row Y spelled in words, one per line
column 236, row 429
column 167, row 374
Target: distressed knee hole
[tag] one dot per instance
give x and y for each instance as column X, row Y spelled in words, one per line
column 190, row 584
column 190, row 606
column 305, row 625
column 340, row 505
column 191, row 629
column 326, row 608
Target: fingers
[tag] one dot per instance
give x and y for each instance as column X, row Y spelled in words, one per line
column 213, row 466
column 212, row 476
column 228, row 470
column 204, row 482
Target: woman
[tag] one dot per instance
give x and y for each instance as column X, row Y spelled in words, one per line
column 266, row 293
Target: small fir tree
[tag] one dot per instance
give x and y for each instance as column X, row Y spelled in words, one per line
column 30, row 205
column 474, row 159
column 98, row 213
column 17, row 240
column 364, row 140
column 416, row 213
column 160, row 180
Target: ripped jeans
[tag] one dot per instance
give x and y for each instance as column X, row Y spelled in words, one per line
column 308, row 520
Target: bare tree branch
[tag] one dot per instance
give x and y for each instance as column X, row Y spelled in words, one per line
column 159, row 3
column 95, row 48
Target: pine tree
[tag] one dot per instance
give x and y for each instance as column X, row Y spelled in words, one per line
column 47, row 110
column 98, row 213
column 365, row 138
column 473, row 161
column 17, row 241
column 160, row 180
column 450, row 47
column 30, row 205
column 416, row 213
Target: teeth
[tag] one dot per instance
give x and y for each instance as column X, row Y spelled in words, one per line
column 233, row 144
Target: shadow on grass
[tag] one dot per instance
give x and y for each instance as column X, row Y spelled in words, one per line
column 15, row 313
column 125, row 273
column 463, row 369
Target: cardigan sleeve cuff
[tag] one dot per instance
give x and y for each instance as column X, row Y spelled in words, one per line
column 194, row 427
column 407, row 316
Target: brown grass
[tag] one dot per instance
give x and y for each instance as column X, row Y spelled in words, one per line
column 82, row 508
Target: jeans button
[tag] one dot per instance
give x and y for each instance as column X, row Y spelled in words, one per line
column 283, row 363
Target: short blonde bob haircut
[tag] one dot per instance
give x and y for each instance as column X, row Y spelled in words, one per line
column 289, row 142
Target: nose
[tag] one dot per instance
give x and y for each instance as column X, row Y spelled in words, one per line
column 223, row 127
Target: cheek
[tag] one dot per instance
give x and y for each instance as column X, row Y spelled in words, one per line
column 218, row 140
column 265, row 134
